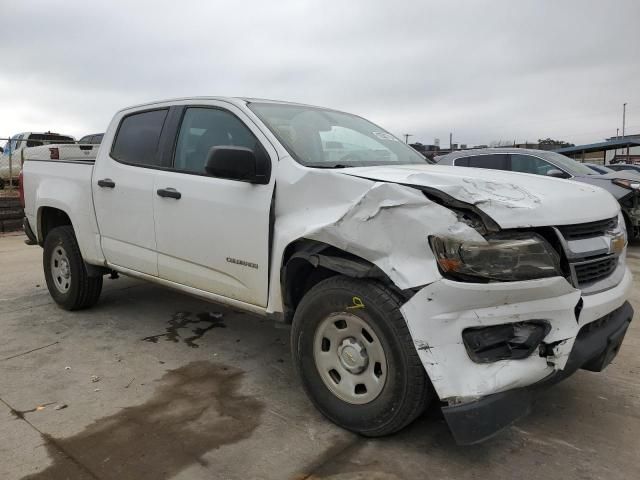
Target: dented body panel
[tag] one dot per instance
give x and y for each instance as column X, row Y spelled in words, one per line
column 441, row 311
column 513, row 200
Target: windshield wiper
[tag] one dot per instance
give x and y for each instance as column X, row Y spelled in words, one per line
column 322, row 165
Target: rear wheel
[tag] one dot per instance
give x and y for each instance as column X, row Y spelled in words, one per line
column 355, row 356
column 65, row 272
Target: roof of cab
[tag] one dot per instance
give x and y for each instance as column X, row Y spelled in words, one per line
column 233, row 100
column 238, row 101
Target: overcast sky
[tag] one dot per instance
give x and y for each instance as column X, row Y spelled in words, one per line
column 485, row 70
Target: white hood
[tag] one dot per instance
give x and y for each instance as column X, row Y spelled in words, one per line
column 513, row 200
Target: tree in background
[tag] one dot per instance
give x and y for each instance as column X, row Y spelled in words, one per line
column 552, row 144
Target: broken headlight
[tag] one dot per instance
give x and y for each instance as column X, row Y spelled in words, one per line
column 500, row 258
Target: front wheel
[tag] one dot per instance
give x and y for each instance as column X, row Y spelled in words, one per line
column 65, row 272
column 355, row 356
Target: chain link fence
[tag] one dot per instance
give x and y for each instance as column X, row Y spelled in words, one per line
column 11, row 212
column 12, row 156
column 10, row 165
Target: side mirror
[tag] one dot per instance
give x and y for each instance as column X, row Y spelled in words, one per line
column 239, row 163
column 556, row 173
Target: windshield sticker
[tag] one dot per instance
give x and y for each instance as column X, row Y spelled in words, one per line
column 385, row 136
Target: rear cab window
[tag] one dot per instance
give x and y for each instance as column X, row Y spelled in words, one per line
column 38, row 139
column 138, row 137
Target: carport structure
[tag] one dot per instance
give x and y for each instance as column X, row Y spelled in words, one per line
column 579, row 151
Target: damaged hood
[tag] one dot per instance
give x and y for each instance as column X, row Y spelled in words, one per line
column 513, row 200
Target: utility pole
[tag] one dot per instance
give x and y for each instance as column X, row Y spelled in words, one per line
column 617, row 138
column 406, row 137
column 624, row 117
column 450, row 141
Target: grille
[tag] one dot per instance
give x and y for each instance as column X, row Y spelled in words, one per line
column 587, row 230
column 594, row 270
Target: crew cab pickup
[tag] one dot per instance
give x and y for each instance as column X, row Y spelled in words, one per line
column 404, row 282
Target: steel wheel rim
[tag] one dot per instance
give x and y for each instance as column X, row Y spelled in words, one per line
column 350, row 358
column 60, row 269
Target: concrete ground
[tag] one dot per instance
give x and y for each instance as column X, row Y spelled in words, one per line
column 152, row 384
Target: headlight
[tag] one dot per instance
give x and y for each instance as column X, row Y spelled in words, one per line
column 624, row 183
column 500, row 258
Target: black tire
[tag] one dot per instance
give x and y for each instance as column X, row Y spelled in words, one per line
column 1, row 184
column 82, row 291
column 406, row 391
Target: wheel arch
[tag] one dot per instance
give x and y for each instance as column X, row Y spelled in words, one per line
column 48, row 218
column 306, row 262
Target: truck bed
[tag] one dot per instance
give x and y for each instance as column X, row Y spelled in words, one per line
column 65, row 185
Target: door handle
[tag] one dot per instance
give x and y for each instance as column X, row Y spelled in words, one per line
column 169, row 192
column 106, row 183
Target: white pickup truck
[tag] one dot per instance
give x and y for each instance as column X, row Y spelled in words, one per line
column 13, row 153
column 404, row 282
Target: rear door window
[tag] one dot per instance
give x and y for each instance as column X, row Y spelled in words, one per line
column 138, row 137
column 492, row 161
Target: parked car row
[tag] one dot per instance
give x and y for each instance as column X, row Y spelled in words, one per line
column 405, row 282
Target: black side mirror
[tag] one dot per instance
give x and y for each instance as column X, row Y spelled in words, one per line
column 239, row 163
column 554, row 172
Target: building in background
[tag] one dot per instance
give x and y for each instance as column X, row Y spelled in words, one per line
column 613, row 150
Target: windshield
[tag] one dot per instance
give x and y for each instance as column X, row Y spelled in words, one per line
column 569, row 165
column 317, row 137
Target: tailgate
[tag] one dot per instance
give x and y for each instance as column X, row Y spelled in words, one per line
column 62, row 152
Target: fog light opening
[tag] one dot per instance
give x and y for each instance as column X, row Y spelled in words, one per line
column 510, row 341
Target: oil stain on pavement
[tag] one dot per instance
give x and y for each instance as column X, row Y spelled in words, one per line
column 183, row 320
column 196, row 408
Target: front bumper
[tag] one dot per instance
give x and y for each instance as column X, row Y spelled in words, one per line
column 596, row 345
column 438, row 313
